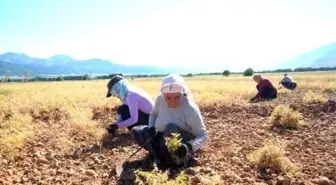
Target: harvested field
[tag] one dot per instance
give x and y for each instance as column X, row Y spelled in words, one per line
column 53, row 133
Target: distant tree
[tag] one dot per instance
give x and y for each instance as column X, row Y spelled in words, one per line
column 86, row 77
column 226, row 73
column 59, row 78
column 248, row 72
column 189, row 75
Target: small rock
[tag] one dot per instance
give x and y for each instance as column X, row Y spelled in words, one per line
column 91, row 173
column 4, row 161
column 39, row 144
column 10, row 172
column 207, row 170
column 43, row 160
column 24, row 179
column 37, row 155
column 302, row 183
column 195, row 180
column 192, row 171
column 236, row 160
column 246, row 168
column 270, row 182
column 280, row 180
column 248, row 180
column 96, row 160
column 287, row 180
column 323, row 181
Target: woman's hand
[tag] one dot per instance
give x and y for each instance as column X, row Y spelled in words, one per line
column 183, row 150
column 112, row 129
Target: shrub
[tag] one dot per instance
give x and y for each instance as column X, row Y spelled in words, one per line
column 284, row 91
column 286, row 117
column 86, row 77
column 155, row 177
column 248, row 72
column 272, row 156
column 59, row 78
column 226, row 73
column 311, row 97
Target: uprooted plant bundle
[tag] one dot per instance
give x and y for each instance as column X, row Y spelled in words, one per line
column 272, row 156
column 155, row 177
column 174, row 142
column 285, row 117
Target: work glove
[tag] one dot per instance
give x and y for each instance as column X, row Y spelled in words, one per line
column 112, row 129
column 184, row 150
column 152, row 132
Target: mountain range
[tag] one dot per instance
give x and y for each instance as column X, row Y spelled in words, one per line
column 324, row 56
column 16, row 64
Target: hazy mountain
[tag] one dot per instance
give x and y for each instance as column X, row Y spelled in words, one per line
column 324, row 56
column 17, row 63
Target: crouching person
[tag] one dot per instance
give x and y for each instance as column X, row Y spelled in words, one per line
column 266, row 90
column 175, row 111
column 288, row 82
column 136, row 104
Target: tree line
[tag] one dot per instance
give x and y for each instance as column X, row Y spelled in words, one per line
column 247, row 72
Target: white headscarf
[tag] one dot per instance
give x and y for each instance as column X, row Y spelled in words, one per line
column 174, row 83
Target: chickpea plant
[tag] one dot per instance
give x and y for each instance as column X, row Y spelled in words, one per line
column 174, row 142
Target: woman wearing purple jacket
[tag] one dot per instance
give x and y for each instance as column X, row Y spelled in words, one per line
column 136, row 106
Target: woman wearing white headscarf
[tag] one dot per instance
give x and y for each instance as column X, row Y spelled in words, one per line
column 174, row 111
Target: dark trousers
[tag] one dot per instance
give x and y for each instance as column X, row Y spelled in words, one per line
column 268, row 93
column 159, row 148
column 124, row 112
column 289, row 85
column 156, row 147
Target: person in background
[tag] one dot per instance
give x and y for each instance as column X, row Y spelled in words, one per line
column 288, row 82
column 266, row 90
column 136, row 106
column 175, row 111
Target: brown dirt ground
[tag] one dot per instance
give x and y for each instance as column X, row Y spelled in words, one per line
column 234, row 131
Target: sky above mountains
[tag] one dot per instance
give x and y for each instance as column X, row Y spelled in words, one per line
column 230, row 34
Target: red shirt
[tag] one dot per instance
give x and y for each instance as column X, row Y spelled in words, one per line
column 262, row 84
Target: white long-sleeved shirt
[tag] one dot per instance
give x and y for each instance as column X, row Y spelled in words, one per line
column 187, row 116
column 287, row 79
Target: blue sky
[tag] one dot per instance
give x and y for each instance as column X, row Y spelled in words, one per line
column 232, row 34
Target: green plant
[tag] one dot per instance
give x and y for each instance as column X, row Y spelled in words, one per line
column 248, row 72
column 174, row 142
column 155, row 177
column 226, row 73
column 59, row 78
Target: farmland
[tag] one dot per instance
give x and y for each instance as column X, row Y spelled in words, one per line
column 54, row 132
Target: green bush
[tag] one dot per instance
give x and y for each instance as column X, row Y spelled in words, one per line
column 248, row 72
column 59, row 78
column 226, row 73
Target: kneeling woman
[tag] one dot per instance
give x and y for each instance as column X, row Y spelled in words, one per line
column 266, row 90
column 175, row 111
column 136, row 104
column 288, row 82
